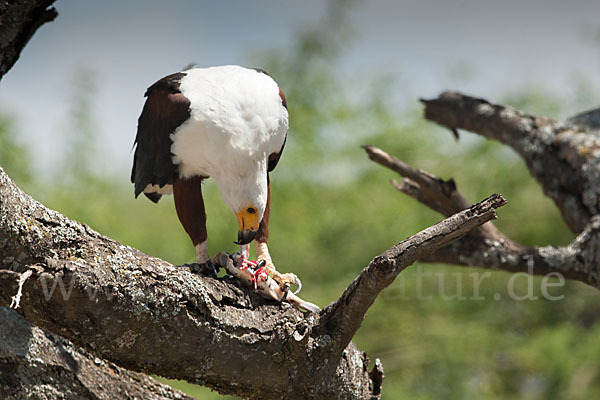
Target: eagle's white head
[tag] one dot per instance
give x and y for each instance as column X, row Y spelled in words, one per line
column 245, row 193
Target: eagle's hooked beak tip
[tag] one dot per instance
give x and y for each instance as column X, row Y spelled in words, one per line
column 248, row 224
column 245, row 236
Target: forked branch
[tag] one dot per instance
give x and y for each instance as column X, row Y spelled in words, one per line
column 563, row 157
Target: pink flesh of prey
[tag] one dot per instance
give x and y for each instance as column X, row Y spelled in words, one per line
column 254, row 274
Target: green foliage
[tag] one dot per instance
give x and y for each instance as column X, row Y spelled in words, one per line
column 14, row 156
column 439, row 334
column 80, row 135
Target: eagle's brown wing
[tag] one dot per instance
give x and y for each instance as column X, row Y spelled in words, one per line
column 165, row 110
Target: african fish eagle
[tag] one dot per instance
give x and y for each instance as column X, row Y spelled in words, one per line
column 229, row 123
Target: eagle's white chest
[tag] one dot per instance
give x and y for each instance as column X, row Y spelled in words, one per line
column 236, row 121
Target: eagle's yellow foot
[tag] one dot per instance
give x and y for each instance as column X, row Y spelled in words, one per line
column 284, row 280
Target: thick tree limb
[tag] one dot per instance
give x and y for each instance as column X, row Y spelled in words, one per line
column 35, row 364
column 146, row 315
column 556, row 155
column 19, row 20
column 563, row 158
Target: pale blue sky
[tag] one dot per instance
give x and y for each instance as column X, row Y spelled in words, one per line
column 504, row 45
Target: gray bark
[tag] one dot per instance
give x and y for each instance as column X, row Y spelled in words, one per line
column 35, row 364
column 562, row 157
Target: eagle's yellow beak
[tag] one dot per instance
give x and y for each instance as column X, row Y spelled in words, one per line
column 248, row 224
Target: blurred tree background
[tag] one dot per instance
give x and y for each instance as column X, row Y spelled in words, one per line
column 333, row 211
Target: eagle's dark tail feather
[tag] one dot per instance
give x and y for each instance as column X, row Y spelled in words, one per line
column 155, row 197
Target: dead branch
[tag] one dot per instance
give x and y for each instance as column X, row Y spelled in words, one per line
column 564, row 158
column 146, row 315
column 343, row 318
column 435, row 193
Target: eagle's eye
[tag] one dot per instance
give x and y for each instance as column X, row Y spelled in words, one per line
column 251, row 210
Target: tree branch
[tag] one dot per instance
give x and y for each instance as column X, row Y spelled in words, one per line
column 146, row 315
column 563, row 158
column 37, row 364
column 435, row 193
column 20, row 20
column 342, row 319
column 588, row 120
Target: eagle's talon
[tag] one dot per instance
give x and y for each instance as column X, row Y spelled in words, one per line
column 299, row 284
column 285, row 294
column 215, row 269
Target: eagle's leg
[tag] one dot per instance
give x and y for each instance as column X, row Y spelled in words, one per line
column 189, row 205
column 262, row 251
